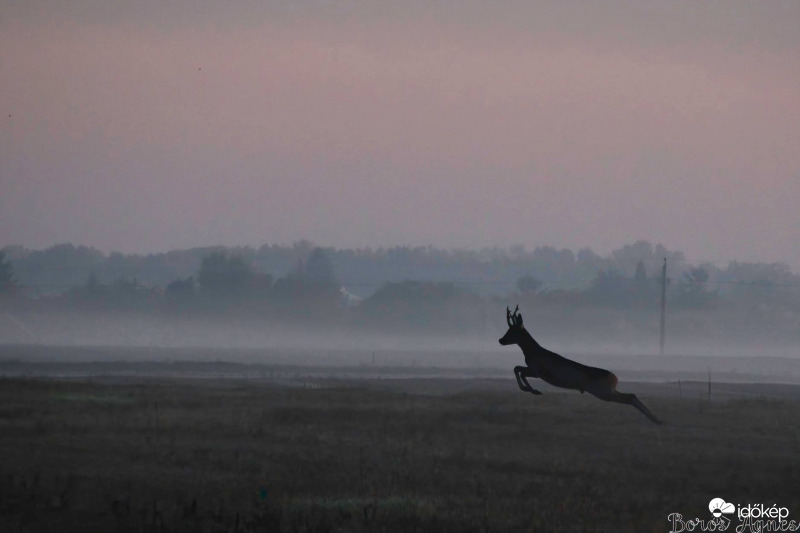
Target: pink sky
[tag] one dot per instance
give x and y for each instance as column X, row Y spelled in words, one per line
column 465, row 124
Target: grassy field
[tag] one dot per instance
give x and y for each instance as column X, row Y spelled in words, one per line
column 379, row 455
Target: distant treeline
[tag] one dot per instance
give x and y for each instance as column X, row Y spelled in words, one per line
column 362, row 271
column 421, row 289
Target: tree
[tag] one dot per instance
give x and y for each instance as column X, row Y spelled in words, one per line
column 623, row 259
column 180, row 293
column 640, row 280
column 319, row 269
column 7, row 280
column 412, row 304
column 641, row 273
column 222, row 274
column 610, row 288
column 696, row 277
column 692, row 291
column 529, row 285
column 312, row 287
column 588, row 263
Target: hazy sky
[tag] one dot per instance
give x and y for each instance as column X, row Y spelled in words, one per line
column 136, row 127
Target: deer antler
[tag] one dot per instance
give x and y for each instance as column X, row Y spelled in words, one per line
column 508, row 317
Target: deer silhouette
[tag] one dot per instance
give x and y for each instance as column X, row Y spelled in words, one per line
column 562, row 372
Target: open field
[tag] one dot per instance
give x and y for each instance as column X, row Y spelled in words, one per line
column 294, row 454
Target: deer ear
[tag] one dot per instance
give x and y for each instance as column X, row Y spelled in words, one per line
column 508, row 316
column 519, row 319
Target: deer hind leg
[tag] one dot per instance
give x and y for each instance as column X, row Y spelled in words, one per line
column 521, row 373
column 631, row 399
column 607, row 391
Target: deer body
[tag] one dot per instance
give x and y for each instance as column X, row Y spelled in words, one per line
column 562, row 372
column 557, row 370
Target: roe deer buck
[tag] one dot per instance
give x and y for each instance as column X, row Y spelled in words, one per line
column 560, row 371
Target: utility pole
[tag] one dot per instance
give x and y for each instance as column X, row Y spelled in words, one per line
column 663, row 305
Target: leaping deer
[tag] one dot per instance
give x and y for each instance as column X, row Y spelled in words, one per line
column 560, row 371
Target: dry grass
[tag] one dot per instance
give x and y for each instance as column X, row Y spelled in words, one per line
column 187, row 455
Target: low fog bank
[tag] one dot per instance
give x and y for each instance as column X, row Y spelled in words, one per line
column 588, row 332
column 324, row 349
column 296, row 365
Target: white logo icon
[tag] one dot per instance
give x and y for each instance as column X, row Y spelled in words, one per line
column 718, row 507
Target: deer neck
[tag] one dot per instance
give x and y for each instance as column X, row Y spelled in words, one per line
column 528, row 344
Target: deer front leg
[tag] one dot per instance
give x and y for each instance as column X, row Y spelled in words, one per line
column 521, row 373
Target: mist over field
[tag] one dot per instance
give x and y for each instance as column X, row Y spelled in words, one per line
column 587, row 332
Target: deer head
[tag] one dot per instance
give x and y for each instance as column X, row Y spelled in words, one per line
column 515, row 328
